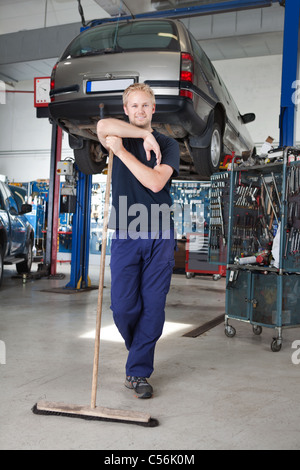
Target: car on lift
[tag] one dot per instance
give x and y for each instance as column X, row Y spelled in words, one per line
column 16, row 233
column 193, row 104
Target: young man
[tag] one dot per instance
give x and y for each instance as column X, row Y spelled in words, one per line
column 141, row 261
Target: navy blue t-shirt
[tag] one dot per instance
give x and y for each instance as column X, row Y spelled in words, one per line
column 135, row 207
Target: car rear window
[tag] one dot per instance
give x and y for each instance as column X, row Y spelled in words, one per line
column 122, row 37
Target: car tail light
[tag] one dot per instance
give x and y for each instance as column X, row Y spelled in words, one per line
column 52, row 81
column 186, row 94
column 187, row 67
column 187, row 73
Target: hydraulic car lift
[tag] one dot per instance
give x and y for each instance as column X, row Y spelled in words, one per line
column 79, row 278
column 81, row 229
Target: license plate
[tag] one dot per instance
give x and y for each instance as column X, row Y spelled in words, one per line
column 106, row 86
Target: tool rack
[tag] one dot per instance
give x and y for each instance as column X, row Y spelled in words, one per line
column 191, row 212
column 219, row 215
column 263, row 249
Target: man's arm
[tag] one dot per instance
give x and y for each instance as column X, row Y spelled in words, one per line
column 110, row 133
column 152, row 178
column 119, row 128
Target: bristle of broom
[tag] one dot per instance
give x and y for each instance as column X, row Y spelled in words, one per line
column 146, row 421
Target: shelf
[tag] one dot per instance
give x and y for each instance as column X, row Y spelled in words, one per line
column 266, row 168
column 251, row 267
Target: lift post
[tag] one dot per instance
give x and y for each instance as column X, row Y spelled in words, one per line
column 79, row 278
column 53, row 201
column 290, row 63
column 81, row 220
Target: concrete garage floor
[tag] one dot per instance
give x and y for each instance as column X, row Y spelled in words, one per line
column 211, row 392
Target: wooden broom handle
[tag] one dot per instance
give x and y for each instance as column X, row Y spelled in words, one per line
column 101, row 281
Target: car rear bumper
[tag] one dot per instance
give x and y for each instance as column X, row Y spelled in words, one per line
column 172, row 110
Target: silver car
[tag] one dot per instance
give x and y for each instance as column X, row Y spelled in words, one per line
column 192, row 103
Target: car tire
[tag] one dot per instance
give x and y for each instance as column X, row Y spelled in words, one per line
column 207, row 160
column 87, row 158
column 1, row 264
column 25, row 266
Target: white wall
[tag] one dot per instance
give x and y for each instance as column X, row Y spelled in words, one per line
column 255, row 85
column 25, row 141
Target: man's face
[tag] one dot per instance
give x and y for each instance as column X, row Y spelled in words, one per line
column 140, row 109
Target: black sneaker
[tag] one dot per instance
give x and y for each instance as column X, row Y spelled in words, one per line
column 139, row 385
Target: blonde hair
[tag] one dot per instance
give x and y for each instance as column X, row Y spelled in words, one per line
column 138, row 87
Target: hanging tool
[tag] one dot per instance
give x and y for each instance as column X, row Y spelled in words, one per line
column 222, row 221
column 269, row 197
column 276, row 189
column 93, row 412
column 262, row 214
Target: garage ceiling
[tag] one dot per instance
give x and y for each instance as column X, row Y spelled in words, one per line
column 33, row 33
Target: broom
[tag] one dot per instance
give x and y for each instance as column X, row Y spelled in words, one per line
column 93, row 412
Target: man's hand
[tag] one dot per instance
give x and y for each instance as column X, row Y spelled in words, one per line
column 114, row 143
column 150, row 143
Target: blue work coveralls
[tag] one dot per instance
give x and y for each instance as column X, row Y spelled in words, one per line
column 142, row 255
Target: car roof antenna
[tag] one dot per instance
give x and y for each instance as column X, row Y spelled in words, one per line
column 80, row 9
column 122, row 2
column 117, row 26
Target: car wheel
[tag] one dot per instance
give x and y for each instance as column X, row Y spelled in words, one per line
column 89, row 159
column 207, row 160
column 25, row 266
column 1, row 264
